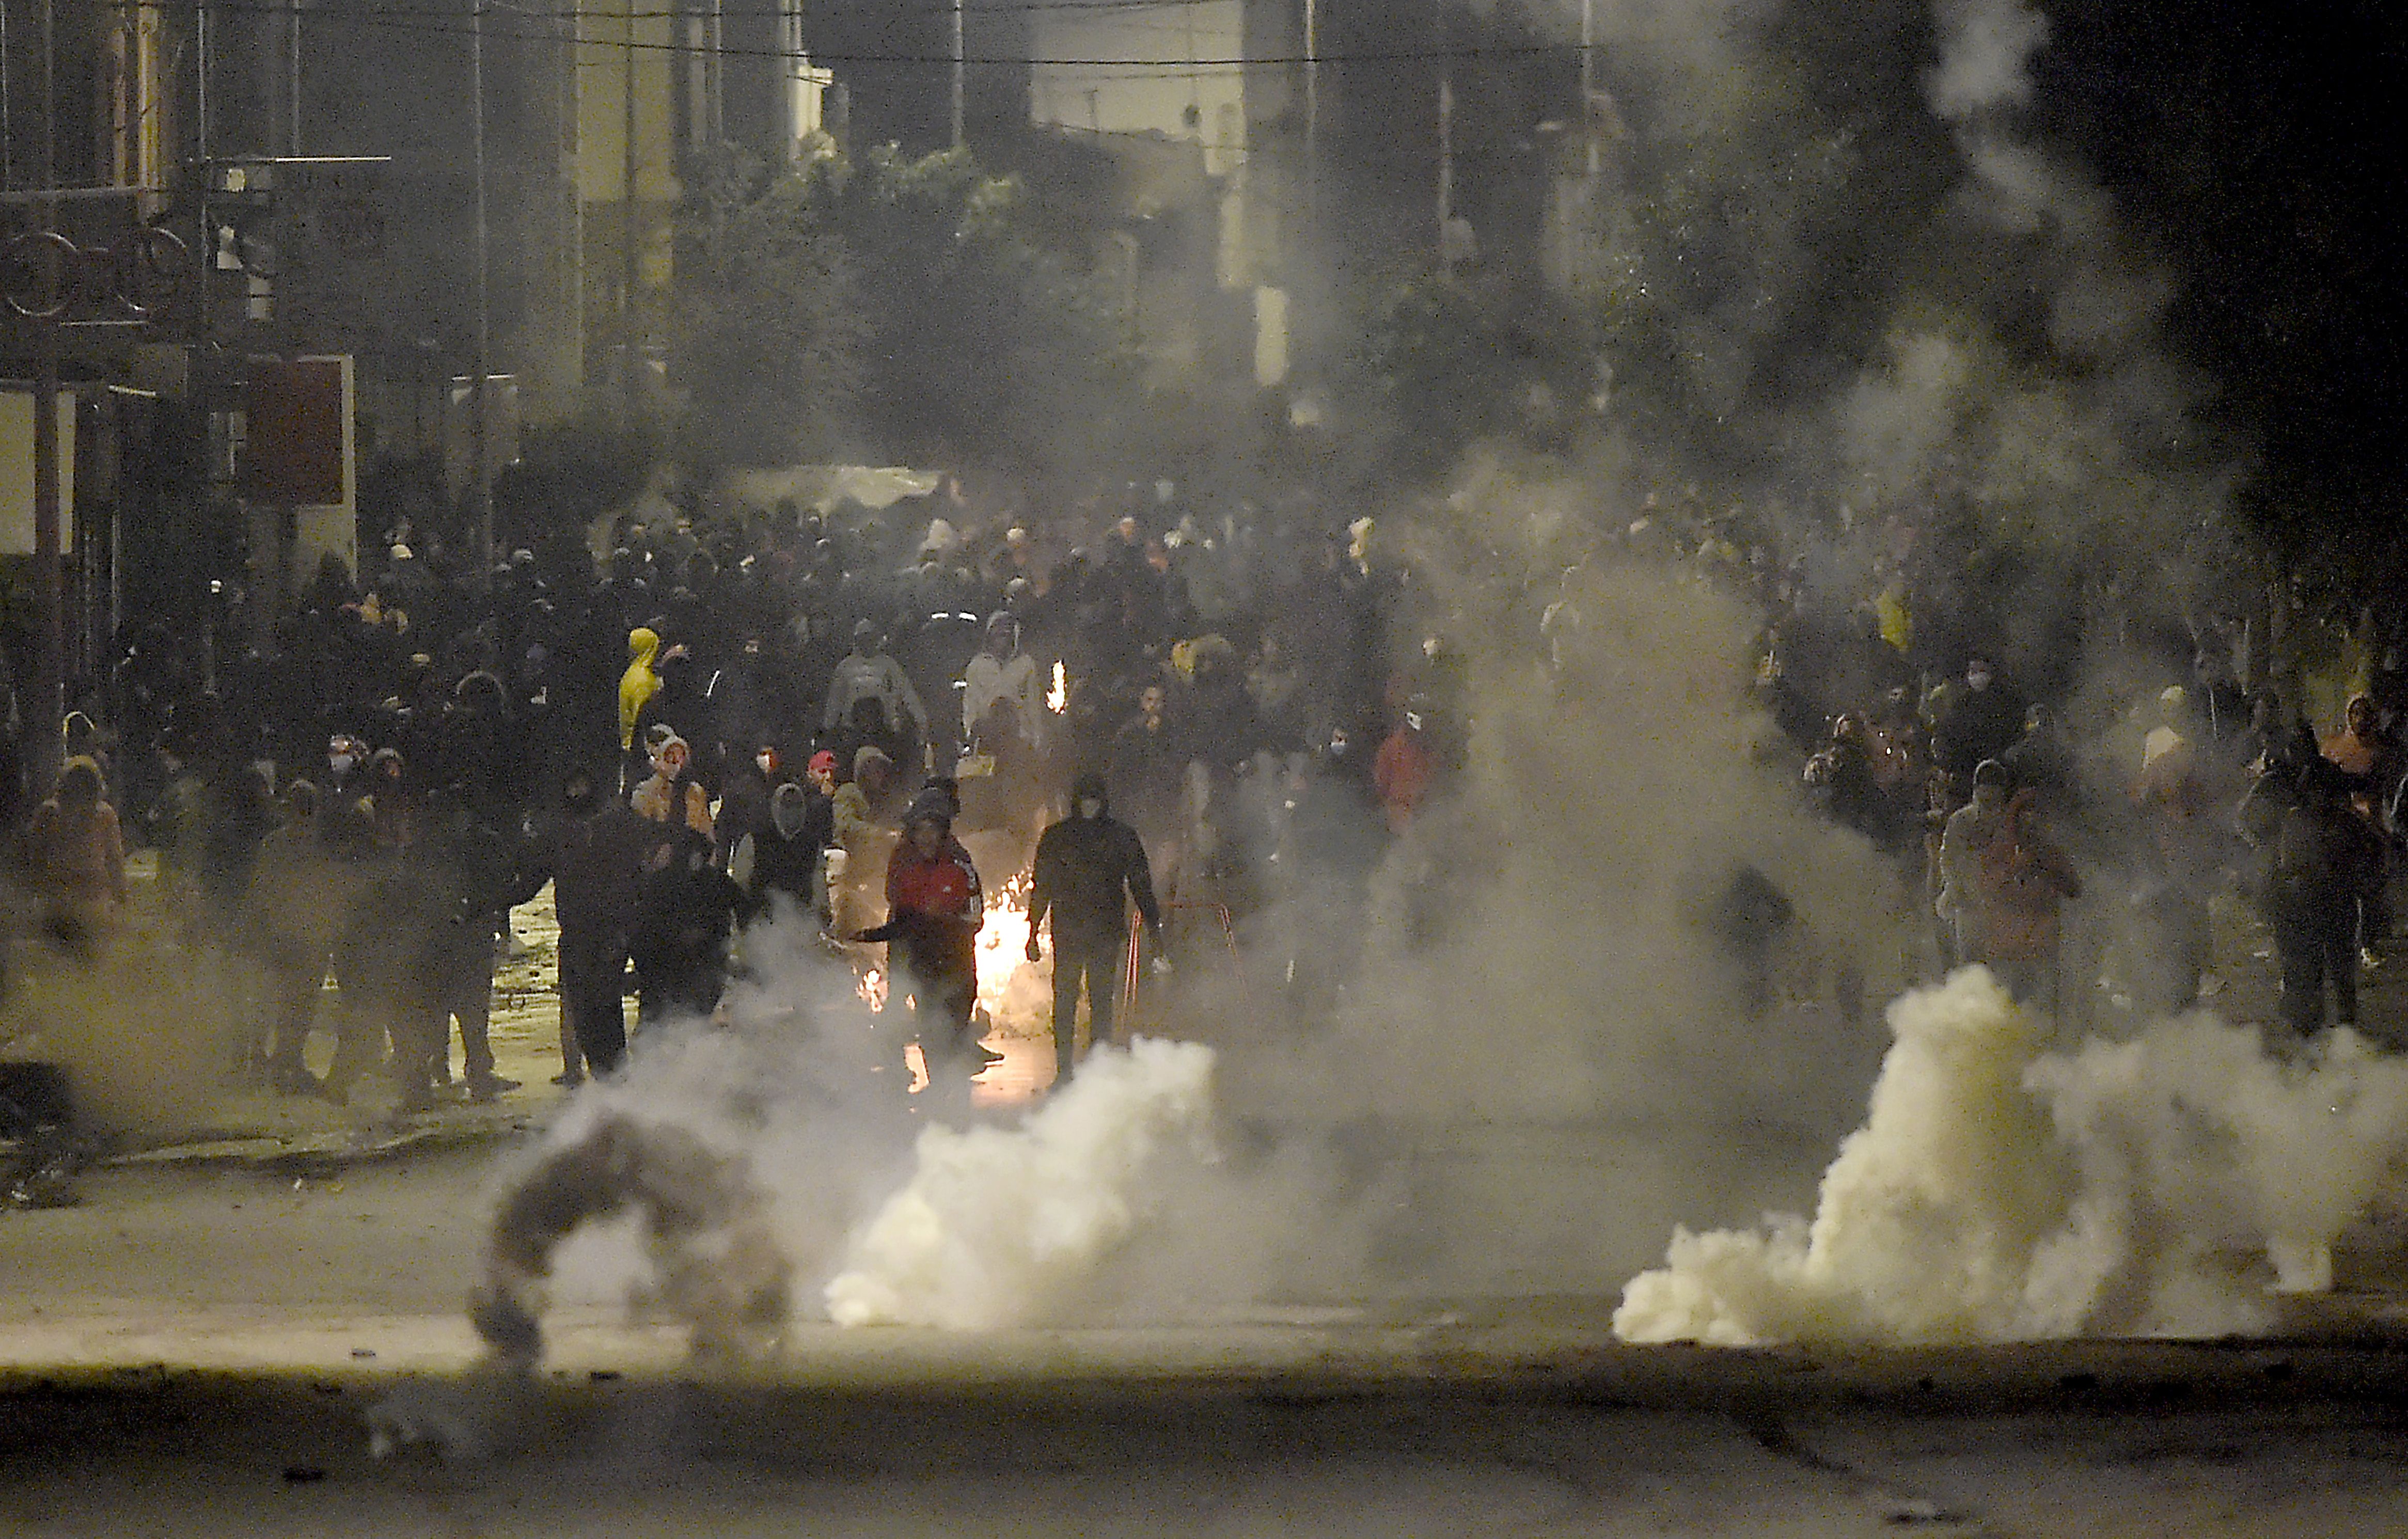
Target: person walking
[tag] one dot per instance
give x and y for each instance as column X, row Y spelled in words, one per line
column 596, row 865
column 1089, row 867
column 935, row 907
column 2315, row 852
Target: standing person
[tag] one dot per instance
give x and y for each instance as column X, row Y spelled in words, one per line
column 671, row 795
column 2314, row 851
column 1148, row 761
column 868, row 678
column 2004, row 882
column 935, row 907
column 2170, row 904
column 295, row 912
column 1089, row 867
column 480, row 868
column 389, row 956
column 2362, row 752
column 596, row 866
column 685, row 917
column 744, row 801
column 77, row 854
column 783, row 856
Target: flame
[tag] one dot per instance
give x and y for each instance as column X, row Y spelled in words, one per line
column 873, row 991
column 1058, row 699
column 1016, row 994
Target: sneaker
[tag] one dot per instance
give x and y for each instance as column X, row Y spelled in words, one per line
column 569, row 1080
column 490, row 1087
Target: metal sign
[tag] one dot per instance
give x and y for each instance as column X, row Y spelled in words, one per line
column 44, row 276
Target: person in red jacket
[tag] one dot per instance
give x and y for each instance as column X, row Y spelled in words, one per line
column 1403, row 771
column 934, row 908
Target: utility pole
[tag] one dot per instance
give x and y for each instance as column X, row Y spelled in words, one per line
column 49, row 608
column 1445, row 139
column 961, row 127
column 293, row 80
column 480, row 444
column 1588, row 90
column 627, row 223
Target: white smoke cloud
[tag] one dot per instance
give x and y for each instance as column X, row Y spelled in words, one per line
column 1996, row 1193
column 1986, row 52
column 1002, row 1227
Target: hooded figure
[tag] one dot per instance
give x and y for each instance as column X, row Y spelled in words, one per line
column 639, row 684
column 785, row 850
column 671, row 795
column 1089, row 867
column 934, row 910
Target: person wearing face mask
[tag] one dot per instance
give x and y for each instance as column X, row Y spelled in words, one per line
column 744, row 803
column 1977, row 718
column 784, row 855
column 1089, row 867
column 671, row 795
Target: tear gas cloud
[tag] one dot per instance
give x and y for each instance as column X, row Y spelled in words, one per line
column 1998, row 1193
column 1549, row 1055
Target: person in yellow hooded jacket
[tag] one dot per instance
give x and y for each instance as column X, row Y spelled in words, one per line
column 639, row 684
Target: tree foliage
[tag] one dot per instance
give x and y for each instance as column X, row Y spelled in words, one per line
column 893, row 308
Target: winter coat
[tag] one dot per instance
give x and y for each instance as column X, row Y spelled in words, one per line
column 785, row 849
column 935, row 907
column 596, row 863
column 1086, row 871
column 673, row 800
column 639, row 684
column 1007, row 680
column 685, row 914
column 881, row 678
column 77, row 854
column 2006, row 882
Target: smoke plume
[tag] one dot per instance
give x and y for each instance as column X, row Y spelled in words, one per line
column 1001, row 1227
column 1998, row 1193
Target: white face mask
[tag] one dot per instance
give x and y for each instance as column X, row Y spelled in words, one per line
column 340, row 763
column 1091, row 809
column 1978, row 680
column 764, row 761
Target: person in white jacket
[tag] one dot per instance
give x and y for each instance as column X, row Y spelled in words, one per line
column 1002, row 672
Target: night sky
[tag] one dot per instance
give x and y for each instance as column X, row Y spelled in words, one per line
column 2260, row 145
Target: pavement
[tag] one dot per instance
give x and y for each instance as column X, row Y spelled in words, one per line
column 1329, row 1430
column 252, row 1327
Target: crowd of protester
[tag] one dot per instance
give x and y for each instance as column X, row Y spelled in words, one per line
column 721, row 714
column 2083, row 865
column 729, row 714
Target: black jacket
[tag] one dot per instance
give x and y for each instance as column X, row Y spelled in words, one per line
column 1083, row 865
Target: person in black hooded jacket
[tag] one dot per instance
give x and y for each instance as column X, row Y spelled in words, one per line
column 1088, row 868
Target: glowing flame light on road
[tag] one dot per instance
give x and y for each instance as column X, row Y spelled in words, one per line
column 1058, row 699
column 1016, row 992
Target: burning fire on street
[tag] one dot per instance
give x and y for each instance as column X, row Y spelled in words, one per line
column 1015, row 994
column 1012, row 992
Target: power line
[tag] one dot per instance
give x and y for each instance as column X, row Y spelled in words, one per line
column 394, row 21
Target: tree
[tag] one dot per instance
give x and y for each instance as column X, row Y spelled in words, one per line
column 770, row 328
column 897, row 308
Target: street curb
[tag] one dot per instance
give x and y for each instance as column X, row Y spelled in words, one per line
column 312, row 1153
